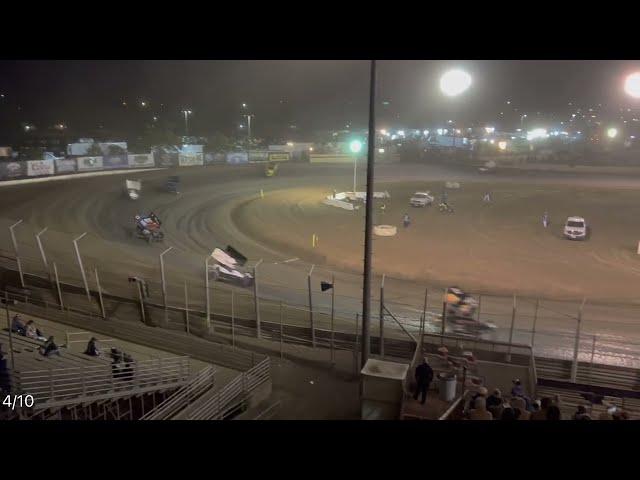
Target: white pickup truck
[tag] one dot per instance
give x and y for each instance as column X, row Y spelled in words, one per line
column 575, row 228
column 421, row 199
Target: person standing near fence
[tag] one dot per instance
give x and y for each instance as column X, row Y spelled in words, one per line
column 545, row 219
column 406, row 221
column 424, row 376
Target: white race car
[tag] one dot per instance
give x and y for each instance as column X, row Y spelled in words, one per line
column 228, row 268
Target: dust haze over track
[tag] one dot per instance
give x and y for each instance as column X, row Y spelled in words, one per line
column 199, row 219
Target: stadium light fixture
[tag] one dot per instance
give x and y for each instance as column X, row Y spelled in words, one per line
column 612, row 132
column 632, row 85
column 355, row 146
column 455, row 82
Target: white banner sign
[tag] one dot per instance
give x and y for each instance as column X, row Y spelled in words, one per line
column 190, row 159
column 86, row 164
column 141, row 161
column 37, row 168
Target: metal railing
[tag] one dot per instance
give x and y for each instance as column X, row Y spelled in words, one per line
column 268, row 412
column 61, row 386
column 232, row 395
column 453, row 406
column 180, row 399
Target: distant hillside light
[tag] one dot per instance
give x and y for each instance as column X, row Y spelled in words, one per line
column 612, row 132
column 455, row 82
column 632, row 85
column 355, row 146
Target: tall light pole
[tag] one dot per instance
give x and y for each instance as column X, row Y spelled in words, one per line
column 452, row 84
column 186, row 121
column 368, row 229
column 355, row 146
column 522, row 117
column 249, row 125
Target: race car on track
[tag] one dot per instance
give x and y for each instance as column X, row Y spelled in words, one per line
column 271, row 169
column 228, row 267
column 148, row 227
column 133, row 187
column 421, row 199
column 461, row 309
column 173, row 184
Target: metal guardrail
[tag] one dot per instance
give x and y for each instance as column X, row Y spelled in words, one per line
column 53, row 387
column 233, row 394
column 183, row 397
column 453, row 406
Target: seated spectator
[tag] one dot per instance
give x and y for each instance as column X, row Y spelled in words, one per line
column 482, row 392
column 92, row 348
column 5, row 377
column 49, row 348
column 17, row 326
column 553, row 413
column 581, row 413
column 32, row 332
column 620, row 414
column 518, row 391
column 542, row 413
column 480, row 411
column 520, row 407
column 508, row 412
column 495, row 399
column 116, row 355
column 127, row 370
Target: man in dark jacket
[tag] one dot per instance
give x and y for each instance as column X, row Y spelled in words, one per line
column 424, row 375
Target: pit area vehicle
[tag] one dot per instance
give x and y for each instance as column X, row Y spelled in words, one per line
column 488, row 167
column 173, row 184
column 421, row 199
column 133, row 188
column 445, row 208
column 228, row 267
column 148, row 227
column 575, row 228
column 271, row 169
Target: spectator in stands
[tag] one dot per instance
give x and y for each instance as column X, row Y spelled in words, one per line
column 553, row 413
column 482, row 392
column 17, row 326
column 92, row 348
column 127, row 370
column 518, row 391
column 508, row 412
column 520, row 408
column 480, row 411
column 5, row 377
column 581, row 413
column 116, row 355
column 49, row 348
column 423, row 375
column 542, row 413
column 32, row 332
column 495, row 399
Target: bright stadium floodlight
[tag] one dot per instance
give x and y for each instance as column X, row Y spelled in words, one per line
column 612, row 132
column 355, row 146
column 502, row 145
column 632, row 85
column 455, row 82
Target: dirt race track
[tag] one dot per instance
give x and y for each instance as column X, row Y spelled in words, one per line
column 499, row 248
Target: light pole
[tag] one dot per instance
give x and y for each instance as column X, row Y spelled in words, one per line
column 84, row 276
column 248, row 115
column 186, row 121
column 15, row 249
column 522, row 117
column 355, row 146
column 452, row 84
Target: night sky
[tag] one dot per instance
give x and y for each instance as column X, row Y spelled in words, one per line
column 308, row 94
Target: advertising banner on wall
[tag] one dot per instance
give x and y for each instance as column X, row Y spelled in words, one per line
column 87, row 164
column 141, row 161
column 237, row 157
column 258, row 155
column 165, row 159
column 36, row 168
column 213, row 158
column 113, row 162
column 9, row 170
column 190, row 159
column 279, row 156
column 64, row 165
